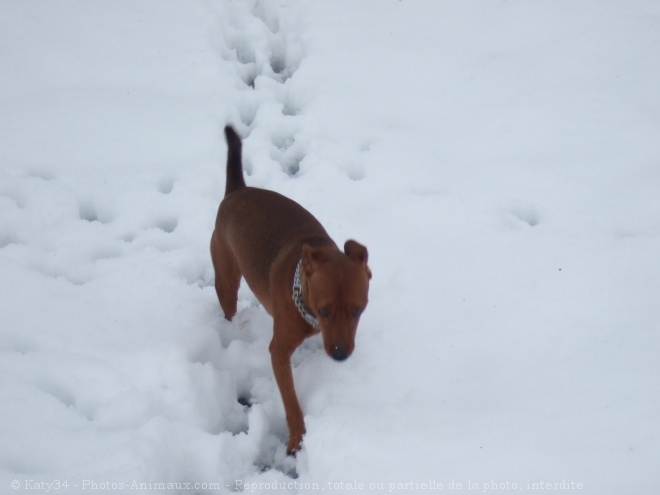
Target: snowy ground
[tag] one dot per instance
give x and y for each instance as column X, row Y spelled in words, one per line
column 500, row 160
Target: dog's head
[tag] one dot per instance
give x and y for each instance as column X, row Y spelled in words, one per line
column 337, row 289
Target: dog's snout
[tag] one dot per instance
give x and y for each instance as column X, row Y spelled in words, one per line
column 339, row 353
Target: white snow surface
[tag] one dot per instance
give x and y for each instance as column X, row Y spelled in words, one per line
column 500, row 160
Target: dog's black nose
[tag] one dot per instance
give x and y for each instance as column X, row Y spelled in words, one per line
column 339, row 353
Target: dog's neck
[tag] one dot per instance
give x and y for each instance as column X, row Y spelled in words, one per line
column 304, row 311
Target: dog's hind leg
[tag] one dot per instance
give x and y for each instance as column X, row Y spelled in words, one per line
column 227, row 276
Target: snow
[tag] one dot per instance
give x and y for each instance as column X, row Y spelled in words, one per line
column 500, row 161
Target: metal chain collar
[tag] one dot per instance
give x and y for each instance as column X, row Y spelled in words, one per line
column 298, row 299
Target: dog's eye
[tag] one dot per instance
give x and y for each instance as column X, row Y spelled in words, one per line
column 324, row 312
column 357, row 313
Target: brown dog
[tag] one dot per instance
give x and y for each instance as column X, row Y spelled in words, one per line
column 295, row 270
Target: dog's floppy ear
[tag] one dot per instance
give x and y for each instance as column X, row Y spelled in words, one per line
column 311, row 257
column 357, row 252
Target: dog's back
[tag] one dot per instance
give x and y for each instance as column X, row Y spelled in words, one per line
column 257, row 225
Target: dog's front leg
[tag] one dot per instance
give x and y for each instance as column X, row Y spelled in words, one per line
column 280, row 353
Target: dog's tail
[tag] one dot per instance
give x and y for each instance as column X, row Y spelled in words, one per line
column 234, row 161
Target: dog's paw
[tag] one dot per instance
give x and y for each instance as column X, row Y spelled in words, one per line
column 295, row 443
